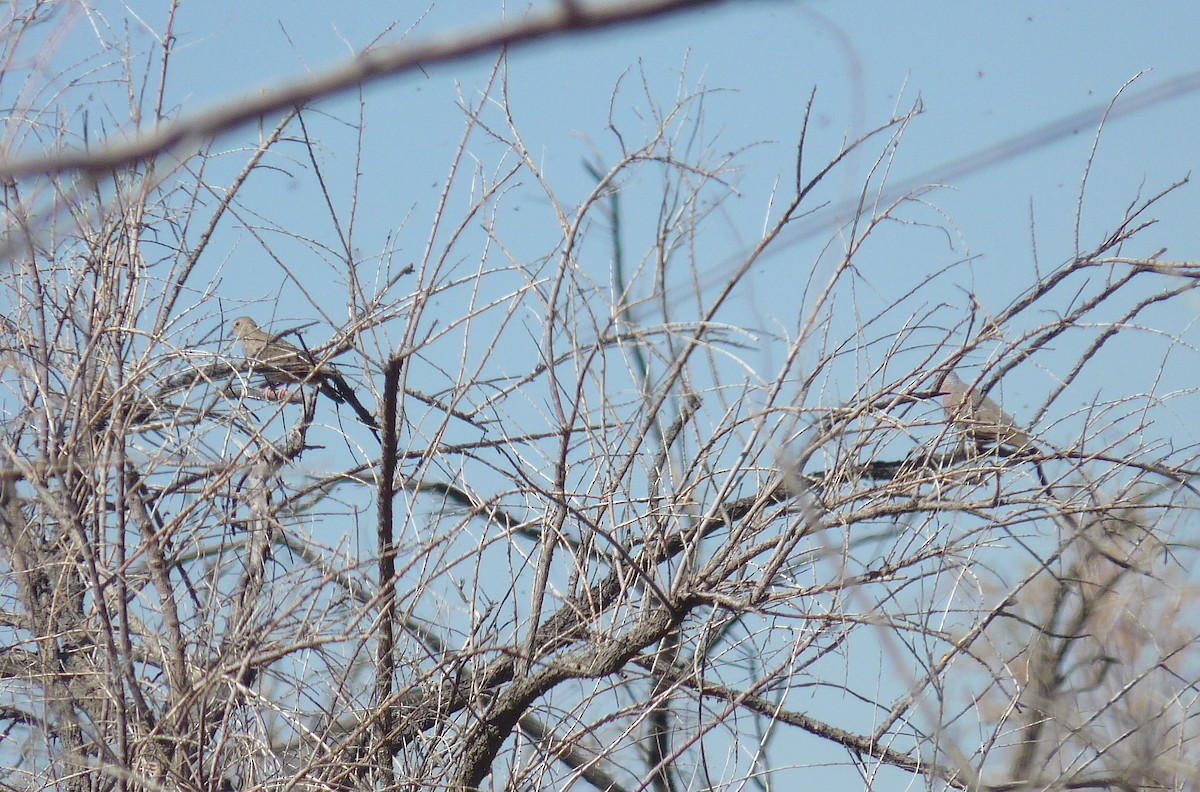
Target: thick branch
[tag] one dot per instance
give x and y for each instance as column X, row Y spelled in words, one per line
column 365, row 68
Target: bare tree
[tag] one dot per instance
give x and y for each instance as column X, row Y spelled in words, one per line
column 599, row 545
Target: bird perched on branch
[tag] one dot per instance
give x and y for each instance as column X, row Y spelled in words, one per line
column 282, row 363
column 980, row 419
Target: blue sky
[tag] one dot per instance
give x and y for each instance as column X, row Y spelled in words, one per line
column 985, row 73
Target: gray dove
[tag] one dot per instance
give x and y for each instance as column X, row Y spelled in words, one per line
column 979, row 418
column 282, row 363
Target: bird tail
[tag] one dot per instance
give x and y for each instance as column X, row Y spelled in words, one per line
column 340, row 391
column 328, row 386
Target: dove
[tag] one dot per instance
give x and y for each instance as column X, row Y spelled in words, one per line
column 281, row 363
column 979, row 418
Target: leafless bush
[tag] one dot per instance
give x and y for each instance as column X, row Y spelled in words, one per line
column 601, row 545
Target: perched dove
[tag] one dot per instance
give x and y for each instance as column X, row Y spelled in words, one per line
column 979, row 418
column 282, row 363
